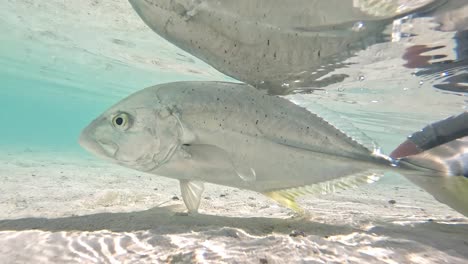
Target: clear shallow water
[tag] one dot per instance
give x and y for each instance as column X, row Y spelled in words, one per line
column 60, row 70
column 64, row 65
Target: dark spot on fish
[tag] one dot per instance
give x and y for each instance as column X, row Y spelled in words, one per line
column 207, row 198
column 268, row 42
column 307, row 127
column 266, row 115
column 392, row 202
column 256, row 122
column 155, row 189
column 318, row 53
column 274, row 55
column 225, row 51
column 123, row 43
column 186, row 145
column 175, row 198
column 430, row 220
column 263, row 261
column 217, row 99
column 220, row 124
column 222, row 195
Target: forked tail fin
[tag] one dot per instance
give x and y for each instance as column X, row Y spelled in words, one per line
column 439, row 153
column 449, row 159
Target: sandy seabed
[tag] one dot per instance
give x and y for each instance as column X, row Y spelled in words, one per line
column 67, row 208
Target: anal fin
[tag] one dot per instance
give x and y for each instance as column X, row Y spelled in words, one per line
column 287, row 197
column 191, row 194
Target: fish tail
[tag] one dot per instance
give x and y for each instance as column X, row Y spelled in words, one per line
column 442, row 171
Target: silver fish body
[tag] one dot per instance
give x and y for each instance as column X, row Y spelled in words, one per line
column 234, row 135
column 262, row 138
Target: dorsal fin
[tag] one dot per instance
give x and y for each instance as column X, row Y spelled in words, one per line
column 334, row 119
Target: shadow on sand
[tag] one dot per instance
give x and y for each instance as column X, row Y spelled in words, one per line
column 163, row 220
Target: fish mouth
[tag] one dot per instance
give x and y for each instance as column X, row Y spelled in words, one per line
column 105, row 150
column 147, row 10
column 159, row 15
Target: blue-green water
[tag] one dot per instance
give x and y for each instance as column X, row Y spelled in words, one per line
column 47, row 99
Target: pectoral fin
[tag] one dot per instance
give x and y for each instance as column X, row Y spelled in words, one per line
column 287, row 197
column 210, row 157
column 191, row 193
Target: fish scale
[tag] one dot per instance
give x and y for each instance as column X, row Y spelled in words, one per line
column 273, row 118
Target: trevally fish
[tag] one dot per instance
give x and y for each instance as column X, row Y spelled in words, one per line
column 282, row 46
column 235, row 135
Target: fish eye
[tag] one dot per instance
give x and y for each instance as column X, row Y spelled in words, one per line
column 120, row 121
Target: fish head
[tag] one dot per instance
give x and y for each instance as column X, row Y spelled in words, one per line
column 135, row 133
column 166, row 16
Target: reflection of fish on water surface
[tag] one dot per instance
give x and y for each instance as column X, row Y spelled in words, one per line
column 281, row 46
column 234, row 135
